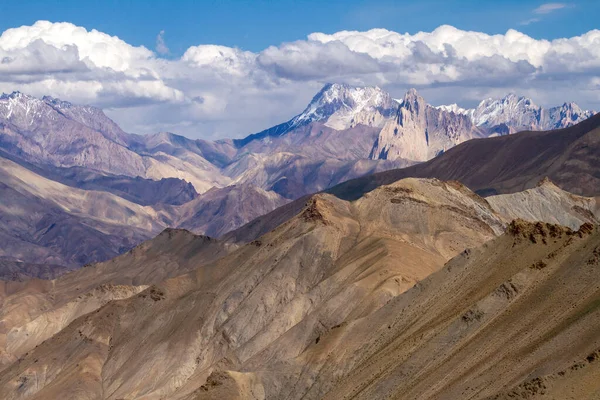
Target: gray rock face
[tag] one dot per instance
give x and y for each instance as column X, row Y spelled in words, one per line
column 520, row 113
column 508, row 164
column 420, row 131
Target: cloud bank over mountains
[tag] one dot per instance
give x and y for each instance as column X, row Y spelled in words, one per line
column 215, row 91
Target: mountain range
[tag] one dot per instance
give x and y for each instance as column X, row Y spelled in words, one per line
column 71, row 168
column 368, row 248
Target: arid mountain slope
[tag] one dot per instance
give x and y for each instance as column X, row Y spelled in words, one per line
column 270, row 301
column 570, row 157
column 515, row 318
column 547, row 202
column 138, row 190
column 50, row 223
column 346, row 132
column 506, row 164
column 47, row 222
column 57, row 133
column 11, row 270
column 294, row 175
column 34, row 310
column 343, row 125
column 219, row 211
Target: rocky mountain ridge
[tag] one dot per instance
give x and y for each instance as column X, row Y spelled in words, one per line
column 344, row 133
column 346, row 123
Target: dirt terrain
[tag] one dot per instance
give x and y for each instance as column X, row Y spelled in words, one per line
column 417, row 290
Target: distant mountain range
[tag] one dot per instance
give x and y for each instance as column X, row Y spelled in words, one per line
column 342, row 125
column 128, row 187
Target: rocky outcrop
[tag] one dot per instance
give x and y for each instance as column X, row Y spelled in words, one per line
column 508, row 164
column 420, row 132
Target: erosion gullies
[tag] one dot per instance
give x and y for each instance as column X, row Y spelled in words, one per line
column 35, row 310
column 270, row 301
column 396, row 285
column 507, row 319
column 417, row 289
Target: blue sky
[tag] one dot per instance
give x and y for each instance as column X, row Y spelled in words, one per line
column 254, row 25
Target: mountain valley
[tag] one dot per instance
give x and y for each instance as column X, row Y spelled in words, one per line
column 115, row 189
column 347, row 253
column 242, row 200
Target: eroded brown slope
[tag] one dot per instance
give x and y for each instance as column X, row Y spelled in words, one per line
column 515, row 318
column 35, row 310
column 548, row 203
column 267, row 303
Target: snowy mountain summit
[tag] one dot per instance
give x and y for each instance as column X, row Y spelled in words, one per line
column 341, row 107
column 514, row 113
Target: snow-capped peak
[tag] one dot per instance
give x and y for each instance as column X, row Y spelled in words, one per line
column 342, row 106
column 518, row 113
column 58, row 103
column 511, row 107
column 26, row 112
column 17, row 96
column 455, row 108
column 20, row 105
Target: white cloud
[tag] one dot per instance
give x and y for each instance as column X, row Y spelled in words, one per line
column 217, row 91
column 547, row 8
column 161, row 46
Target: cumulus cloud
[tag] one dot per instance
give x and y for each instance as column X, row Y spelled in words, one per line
column 216, row 91
column 161, row 46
